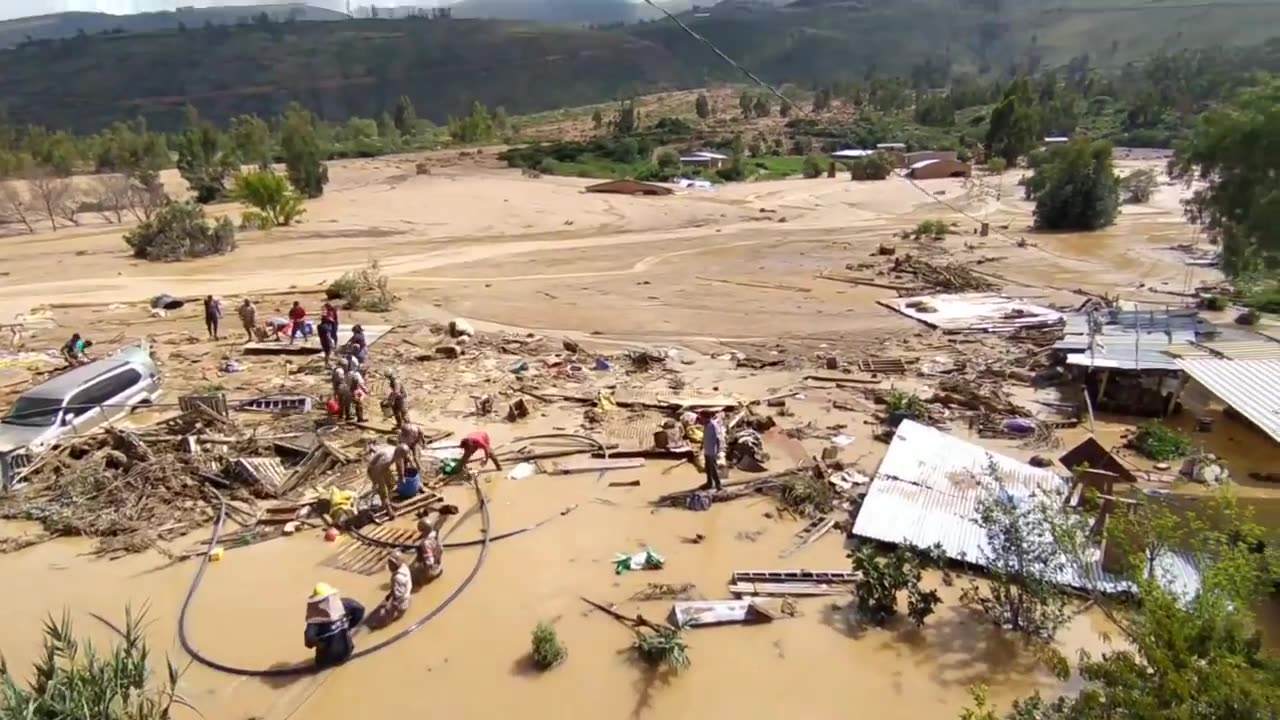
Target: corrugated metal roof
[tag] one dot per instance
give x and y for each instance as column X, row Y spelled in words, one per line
column 978, row 312
column 927, row 491
column 1132, row 352
column 1251, row 387
column 1259, row 349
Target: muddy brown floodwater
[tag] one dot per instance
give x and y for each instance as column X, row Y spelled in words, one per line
column 703, row 271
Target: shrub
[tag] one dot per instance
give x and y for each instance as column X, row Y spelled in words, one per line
column 1217, row 303
column 997, row 166
column 179, row 231
column 274, row 200
column 904, row 404
column 812, row 166
column 662, row 647
column 1161, row 443
column 547, row 649
column 73, row 682
column 936, row 229
column 872, row 167
column 363, row 289
column 884, row 577
column 668, row 159
column 1138, row 186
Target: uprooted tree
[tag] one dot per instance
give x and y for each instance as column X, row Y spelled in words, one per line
column 181, row 232
column 73, row 681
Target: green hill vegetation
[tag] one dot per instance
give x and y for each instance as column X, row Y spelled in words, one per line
column 358, row 67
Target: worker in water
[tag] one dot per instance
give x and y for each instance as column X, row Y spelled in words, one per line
column 248, row 317
column 396, row 603
column 475, row 442
column 712, row 442
column 398, row 402
column 428, row 561
column 356, row 392
column 212, row 315
column 330, row 621
column 76, row 350
column 386, row 471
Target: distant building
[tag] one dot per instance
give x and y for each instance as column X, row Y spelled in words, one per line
column 629, row 187
column 851, row 154
column 914, row 157
column 704, row 158
column 938, row 168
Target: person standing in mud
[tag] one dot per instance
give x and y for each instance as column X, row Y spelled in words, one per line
column 330, row 621
column 398, row 402
column 297, row 322
column 357, row 391
column 386, row 470
column 712, row 442
column 329, row 313
column 212, row 315
column 248, row 317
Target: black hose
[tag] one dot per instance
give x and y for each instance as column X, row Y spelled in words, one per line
column 310, row 669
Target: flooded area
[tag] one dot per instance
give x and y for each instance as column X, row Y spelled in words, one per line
column 704, row 274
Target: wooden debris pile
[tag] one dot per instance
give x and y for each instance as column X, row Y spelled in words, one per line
column 949, row 277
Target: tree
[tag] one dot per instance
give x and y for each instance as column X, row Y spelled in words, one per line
column 761, row 107
column 1014, row 127
column 404, row 116
column 475, row 127
column 996, row 166
column 1138, row 186
column 784, row 109
column 883, row 578
column 627, row 119
column 179, row 231
column 303, row 156
column 597, row 119
column 702, row 106
column 1030, row 546
column 1193, row 658
column 15, row 205
column 875, row 166
column 822, row 100
column 501, row 121
column 1076, row 188
column 1238, row 200
column 935, row 111
column 251, row 139
column 746, row 103
column 55, row 197
column 668, row 159
column 74, row 682
column 111, row 196
column 204, row 161
column 274, row 201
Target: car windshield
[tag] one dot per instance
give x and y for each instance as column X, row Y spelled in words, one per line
column 33, row 412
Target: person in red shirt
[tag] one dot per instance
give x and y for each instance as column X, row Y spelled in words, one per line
column 476, row 441
column 297, row 319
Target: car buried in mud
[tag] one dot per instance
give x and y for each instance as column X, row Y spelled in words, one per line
column 74, row 402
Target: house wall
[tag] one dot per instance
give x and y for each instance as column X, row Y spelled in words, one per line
column 941, row 169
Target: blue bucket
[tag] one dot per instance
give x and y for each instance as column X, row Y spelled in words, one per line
column 411, row 485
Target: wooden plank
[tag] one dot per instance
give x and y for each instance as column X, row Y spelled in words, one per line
column 593, row 465
column 808, row 534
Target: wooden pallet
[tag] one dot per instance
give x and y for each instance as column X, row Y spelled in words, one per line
column 357, row 556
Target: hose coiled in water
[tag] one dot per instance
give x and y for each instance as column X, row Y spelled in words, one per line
column 309, row 669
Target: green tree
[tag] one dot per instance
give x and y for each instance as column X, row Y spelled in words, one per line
column 1076, row 189
column 273, row 199
column 386, row 126
column 72, row 681
column 405, row 118
column 1014, row 127
column 627, row 119
column 885, row 576
column 475, row 127
column 746, row 103
column 597, row 119
column 668, row 159
column 501, row 121
column 251, row 139
column 1138, row 186
column 813, row 165
column 784, row 109
column 205, row 160
column 1231, row 153
column 935, row 111
column 179, row 231
column 303, row 155
column 702, row 106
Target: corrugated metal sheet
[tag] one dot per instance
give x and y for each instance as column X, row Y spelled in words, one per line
column 975, row 312
column 1131, row 339
column 1257, row 349
column 1251, row 387
column 1122, row 352
column 927, row 491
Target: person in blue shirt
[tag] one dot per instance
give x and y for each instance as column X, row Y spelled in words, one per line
column 330, row 621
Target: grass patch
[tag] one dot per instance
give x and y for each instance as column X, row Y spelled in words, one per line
column 777, row 167
column 1265, row 298
column 905, row 404
column 1161, row 443
column 547, row 651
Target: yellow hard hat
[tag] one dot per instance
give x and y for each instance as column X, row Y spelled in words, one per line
column 322, row 590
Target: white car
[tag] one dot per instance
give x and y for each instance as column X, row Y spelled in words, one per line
column 74, row 402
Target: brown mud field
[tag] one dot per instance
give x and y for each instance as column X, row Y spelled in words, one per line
column 705, row 273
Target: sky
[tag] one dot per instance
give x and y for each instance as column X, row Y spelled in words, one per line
column 10, row 9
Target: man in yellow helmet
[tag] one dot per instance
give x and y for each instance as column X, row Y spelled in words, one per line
column 330, row 621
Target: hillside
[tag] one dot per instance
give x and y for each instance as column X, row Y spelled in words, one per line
column 359, row 67
column 70, row 24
